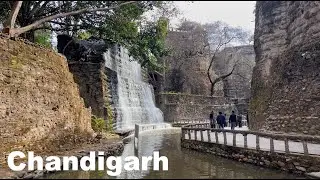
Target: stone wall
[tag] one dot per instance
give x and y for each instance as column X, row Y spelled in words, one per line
column 40, row 106
column 88, row 77
column 286, row 81
column 187, row 64
column 98, row 88
column 297, row 164
column 183, row 107
column 237, row 86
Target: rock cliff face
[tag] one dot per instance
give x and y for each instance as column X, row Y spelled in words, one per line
column 237, row 86
column 188, row 63
column 40, row 106
column 286, row 81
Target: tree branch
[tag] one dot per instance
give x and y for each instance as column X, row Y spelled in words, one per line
column 19, row 31
column 224, row 76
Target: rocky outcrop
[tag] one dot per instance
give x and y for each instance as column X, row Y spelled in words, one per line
column 186, row 66
column 40, row 106
column 286, row 81
column 237, row 86
column 97, row 84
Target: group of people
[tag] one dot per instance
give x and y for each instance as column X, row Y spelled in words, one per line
column 220, row 120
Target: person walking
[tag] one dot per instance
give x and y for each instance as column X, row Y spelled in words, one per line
column 240, row 121
column 212, row 121
column 221, row 120
column 233, row 120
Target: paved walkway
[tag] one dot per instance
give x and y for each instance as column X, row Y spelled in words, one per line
column 279, row 146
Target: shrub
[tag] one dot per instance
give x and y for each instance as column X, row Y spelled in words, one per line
column 98, row 124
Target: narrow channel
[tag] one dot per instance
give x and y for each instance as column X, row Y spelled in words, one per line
column 183, row 163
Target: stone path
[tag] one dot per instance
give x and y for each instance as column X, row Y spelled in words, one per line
column 279, row 146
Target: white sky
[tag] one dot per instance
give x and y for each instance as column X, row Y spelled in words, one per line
column 235, row 13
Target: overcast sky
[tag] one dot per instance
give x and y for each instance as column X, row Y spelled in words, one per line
column 235, row 13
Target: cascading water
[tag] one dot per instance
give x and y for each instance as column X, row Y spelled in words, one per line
column 135, row 103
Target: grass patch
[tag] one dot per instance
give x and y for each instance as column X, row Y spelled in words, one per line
column 98, row 124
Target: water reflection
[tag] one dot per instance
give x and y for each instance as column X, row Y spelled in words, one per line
column 183, row 163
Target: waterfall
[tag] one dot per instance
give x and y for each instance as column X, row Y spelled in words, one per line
column 135, row 99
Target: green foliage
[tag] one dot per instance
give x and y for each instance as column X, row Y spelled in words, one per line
column 110, row 119
column 149, row 46
column 109, row 127
column 145, row 42
column 98, row 124
column 171, row 92
column 83, row 35
column 43, row 37
column 124, row 25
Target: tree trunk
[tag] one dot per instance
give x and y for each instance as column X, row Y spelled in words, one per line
column 10, row 22
column 212, row 89
column 220, row 79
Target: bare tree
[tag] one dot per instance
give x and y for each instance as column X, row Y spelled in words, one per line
column 220, row 36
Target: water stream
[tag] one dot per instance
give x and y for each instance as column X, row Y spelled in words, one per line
column 135, row 99
column 183, row 163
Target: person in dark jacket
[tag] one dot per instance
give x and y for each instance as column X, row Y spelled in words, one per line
column 233, row 120
column 240, row 121
column 221, row 120
column 212, row 121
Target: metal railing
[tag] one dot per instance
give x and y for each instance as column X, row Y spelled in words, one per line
column 191, row 132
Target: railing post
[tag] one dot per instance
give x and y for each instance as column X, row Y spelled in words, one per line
column 286, row 145
column 209, row 138
column 182, row 134
column 234, row 139
column 201, row 131
column 224, row 138
column 305, row 148
column 217, row 138
column 189, row 133
column 257, row 142
column 245, row 136
column 271, row 145
column 195, row 134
